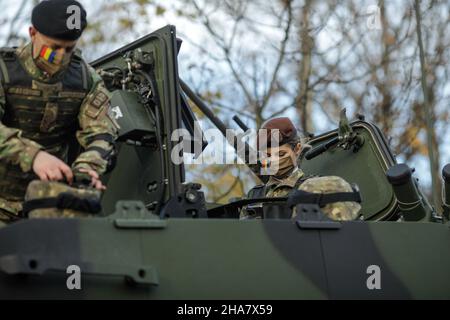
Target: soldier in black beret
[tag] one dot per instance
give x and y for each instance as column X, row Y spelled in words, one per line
column 49, row 96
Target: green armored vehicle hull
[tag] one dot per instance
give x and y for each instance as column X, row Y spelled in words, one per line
column 157, row 238
column 212, row 259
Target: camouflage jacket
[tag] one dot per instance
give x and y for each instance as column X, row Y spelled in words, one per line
column 276, row 188
column 94, row 120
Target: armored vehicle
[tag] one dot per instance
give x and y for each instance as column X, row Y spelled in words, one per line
column 157, row 238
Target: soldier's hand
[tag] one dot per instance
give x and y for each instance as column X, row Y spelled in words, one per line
column 50, row 168
column 95, row 179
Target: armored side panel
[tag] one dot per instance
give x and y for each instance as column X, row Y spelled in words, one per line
column 224, row 259
column 367, row 168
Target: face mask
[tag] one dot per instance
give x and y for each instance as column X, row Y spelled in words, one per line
column 51, row 61
column 285, row 165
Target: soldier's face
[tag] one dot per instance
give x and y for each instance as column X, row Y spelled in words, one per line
column 285, row 151
column 60, row 46
column 51, row 55
column 284, row 158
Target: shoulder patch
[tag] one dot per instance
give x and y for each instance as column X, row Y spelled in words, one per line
column 99, row 99
column 96, row 104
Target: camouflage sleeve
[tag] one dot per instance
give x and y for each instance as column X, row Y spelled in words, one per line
column 14, row 148
column 98, row 128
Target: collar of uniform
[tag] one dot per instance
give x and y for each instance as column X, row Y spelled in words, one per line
column 25, row 55
column 290, row 181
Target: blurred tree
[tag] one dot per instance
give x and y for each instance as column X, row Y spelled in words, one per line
column 12, row 31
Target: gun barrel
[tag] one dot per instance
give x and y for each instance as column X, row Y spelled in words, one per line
column 204, row 108
column 221, row 126
column 240, row 123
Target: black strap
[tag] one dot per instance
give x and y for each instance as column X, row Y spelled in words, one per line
column 63, row 201
column 108, row 155
column 6, row 55
column 4, row 76
column 103, row 153
column 322, row 199
column 102, row 136
column 87, row 83
column 85, row 76
column 259, row 191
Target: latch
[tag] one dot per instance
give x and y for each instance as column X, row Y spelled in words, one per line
column 309, row 216
column 39, row 265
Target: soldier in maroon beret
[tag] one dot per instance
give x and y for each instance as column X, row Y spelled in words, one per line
column 279, row 140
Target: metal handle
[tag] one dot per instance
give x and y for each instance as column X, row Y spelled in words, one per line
column 321, row 149
column 39, row 265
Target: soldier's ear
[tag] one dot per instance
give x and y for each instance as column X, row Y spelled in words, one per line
column 298, row 149
column 32, row 32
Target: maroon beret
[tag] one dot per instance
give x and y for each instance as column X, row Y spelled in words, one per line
column 279, row 129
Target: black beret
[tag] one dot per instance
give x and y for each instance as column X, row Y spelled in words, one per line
column 54, row 19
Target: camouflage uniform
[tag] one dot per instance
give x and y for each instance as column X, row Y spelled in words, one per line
column 276, row 188
column 44, row 189
column 39, row 112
